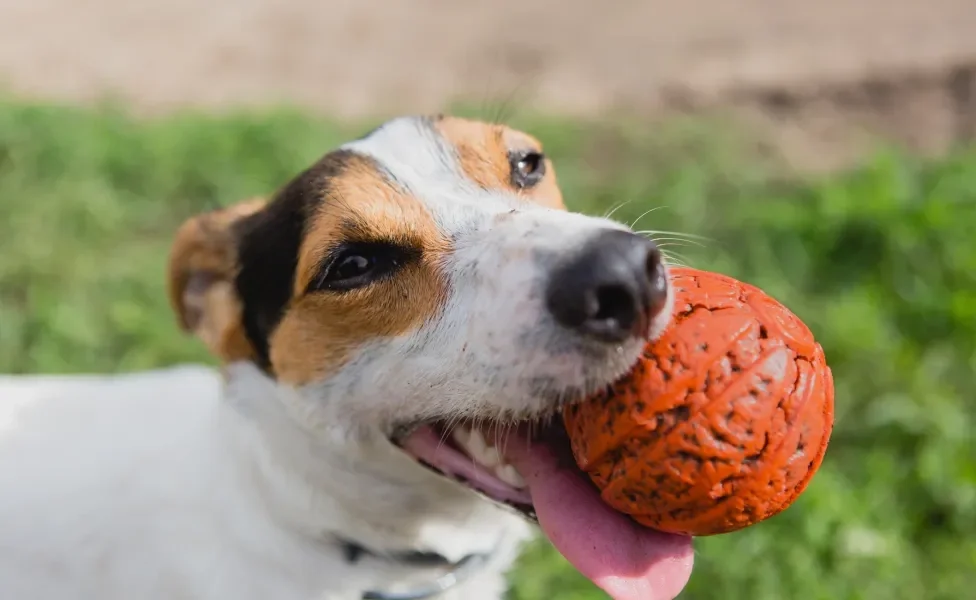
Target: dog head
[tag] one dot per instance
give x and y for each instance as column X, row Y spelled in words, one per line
column 426, row 274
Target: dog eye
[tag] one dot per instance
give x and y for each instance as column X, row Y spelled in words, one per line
column 358, row 265
column 528, row 169
column 353, row 265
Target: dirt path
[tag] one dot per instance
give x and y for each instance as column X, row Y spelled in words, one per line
column 905, row 68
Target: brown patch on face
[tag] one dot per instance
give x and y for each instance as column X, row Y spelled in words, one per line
column 484, row 152
column 481, row 149
column 322, row 329
column 200, row 274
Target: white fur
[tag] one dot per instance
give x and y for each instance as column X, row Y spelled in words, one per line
column 164, row 485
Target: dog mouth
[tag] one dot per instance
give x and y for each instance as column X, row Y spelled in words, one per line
column 528, row 466
column 475, row 456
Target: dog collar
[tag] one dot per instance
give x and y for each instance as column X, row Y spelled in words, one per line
column 459, row 571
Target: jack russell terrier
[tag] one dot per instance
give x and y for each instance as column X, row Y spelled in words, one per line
column 397, row 327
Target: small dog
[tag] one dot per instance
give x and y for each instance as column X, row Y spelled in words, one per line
column 396, row 328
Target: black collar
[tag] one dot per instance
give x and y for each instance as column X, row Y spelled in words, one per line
column 459, row 571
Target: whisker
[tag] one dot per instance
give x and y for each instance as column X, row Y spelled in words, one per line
column 672, row 245
column 489, row 104
column 674, row 238
column 508, row 107
column 671, row 241
column 647, row 212
column 448, row 430
column 616, row 208
column 675, row 259
column 681, row 234
column 503, row 433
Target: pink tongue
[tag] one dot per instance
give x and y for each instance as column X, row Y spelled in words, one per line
column 628, row 561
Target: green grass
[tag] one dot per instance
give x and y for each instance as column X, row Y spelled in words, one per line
column 881, row 262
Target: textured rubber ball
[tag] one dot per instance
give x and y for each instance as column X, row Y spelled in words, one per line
column 721, row 423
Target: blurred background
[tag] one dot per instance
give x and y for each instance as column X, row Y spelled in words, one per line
column 823, row 151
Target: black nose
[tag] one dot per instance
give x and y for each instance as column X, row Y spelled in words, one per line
column 610, row 289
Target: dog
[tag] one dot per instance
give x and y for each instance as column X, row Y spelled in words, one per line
column 396, row 328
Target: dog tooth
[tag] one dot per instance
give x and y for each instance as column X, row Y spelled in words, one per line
column 476, row 445
column 490, row 458
column 461, row 435
column 509, row 475
column 473, row 442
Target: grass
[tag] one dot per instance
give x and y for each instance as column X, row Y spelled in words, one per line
column 881, row 262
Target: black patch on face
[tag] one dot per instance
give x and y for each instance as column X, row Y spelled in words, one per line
column 268, row 245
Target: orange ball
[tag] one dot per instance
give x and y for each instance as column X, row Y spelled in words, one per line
column 722, row 422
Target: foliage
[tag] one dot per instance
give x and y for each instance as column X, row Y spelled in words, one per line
column 880, row 262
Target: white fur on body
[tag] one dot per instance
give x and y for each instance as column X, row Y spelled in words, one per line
column 165, row 485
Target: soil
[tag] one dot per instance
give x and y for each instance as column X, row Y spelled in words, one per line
column 823, row 79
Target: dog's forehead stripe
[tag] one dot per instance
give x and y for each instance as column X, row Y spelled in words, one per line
column 413, row 153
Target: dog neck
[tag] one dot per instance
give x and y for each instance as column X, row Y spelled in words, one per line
column 347, row 483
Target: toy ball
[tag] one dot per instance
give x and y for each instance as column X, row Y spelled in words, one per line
column 722, row 422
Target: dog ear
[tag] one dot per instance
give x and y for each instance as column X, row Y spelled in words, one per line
column 203, row 264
